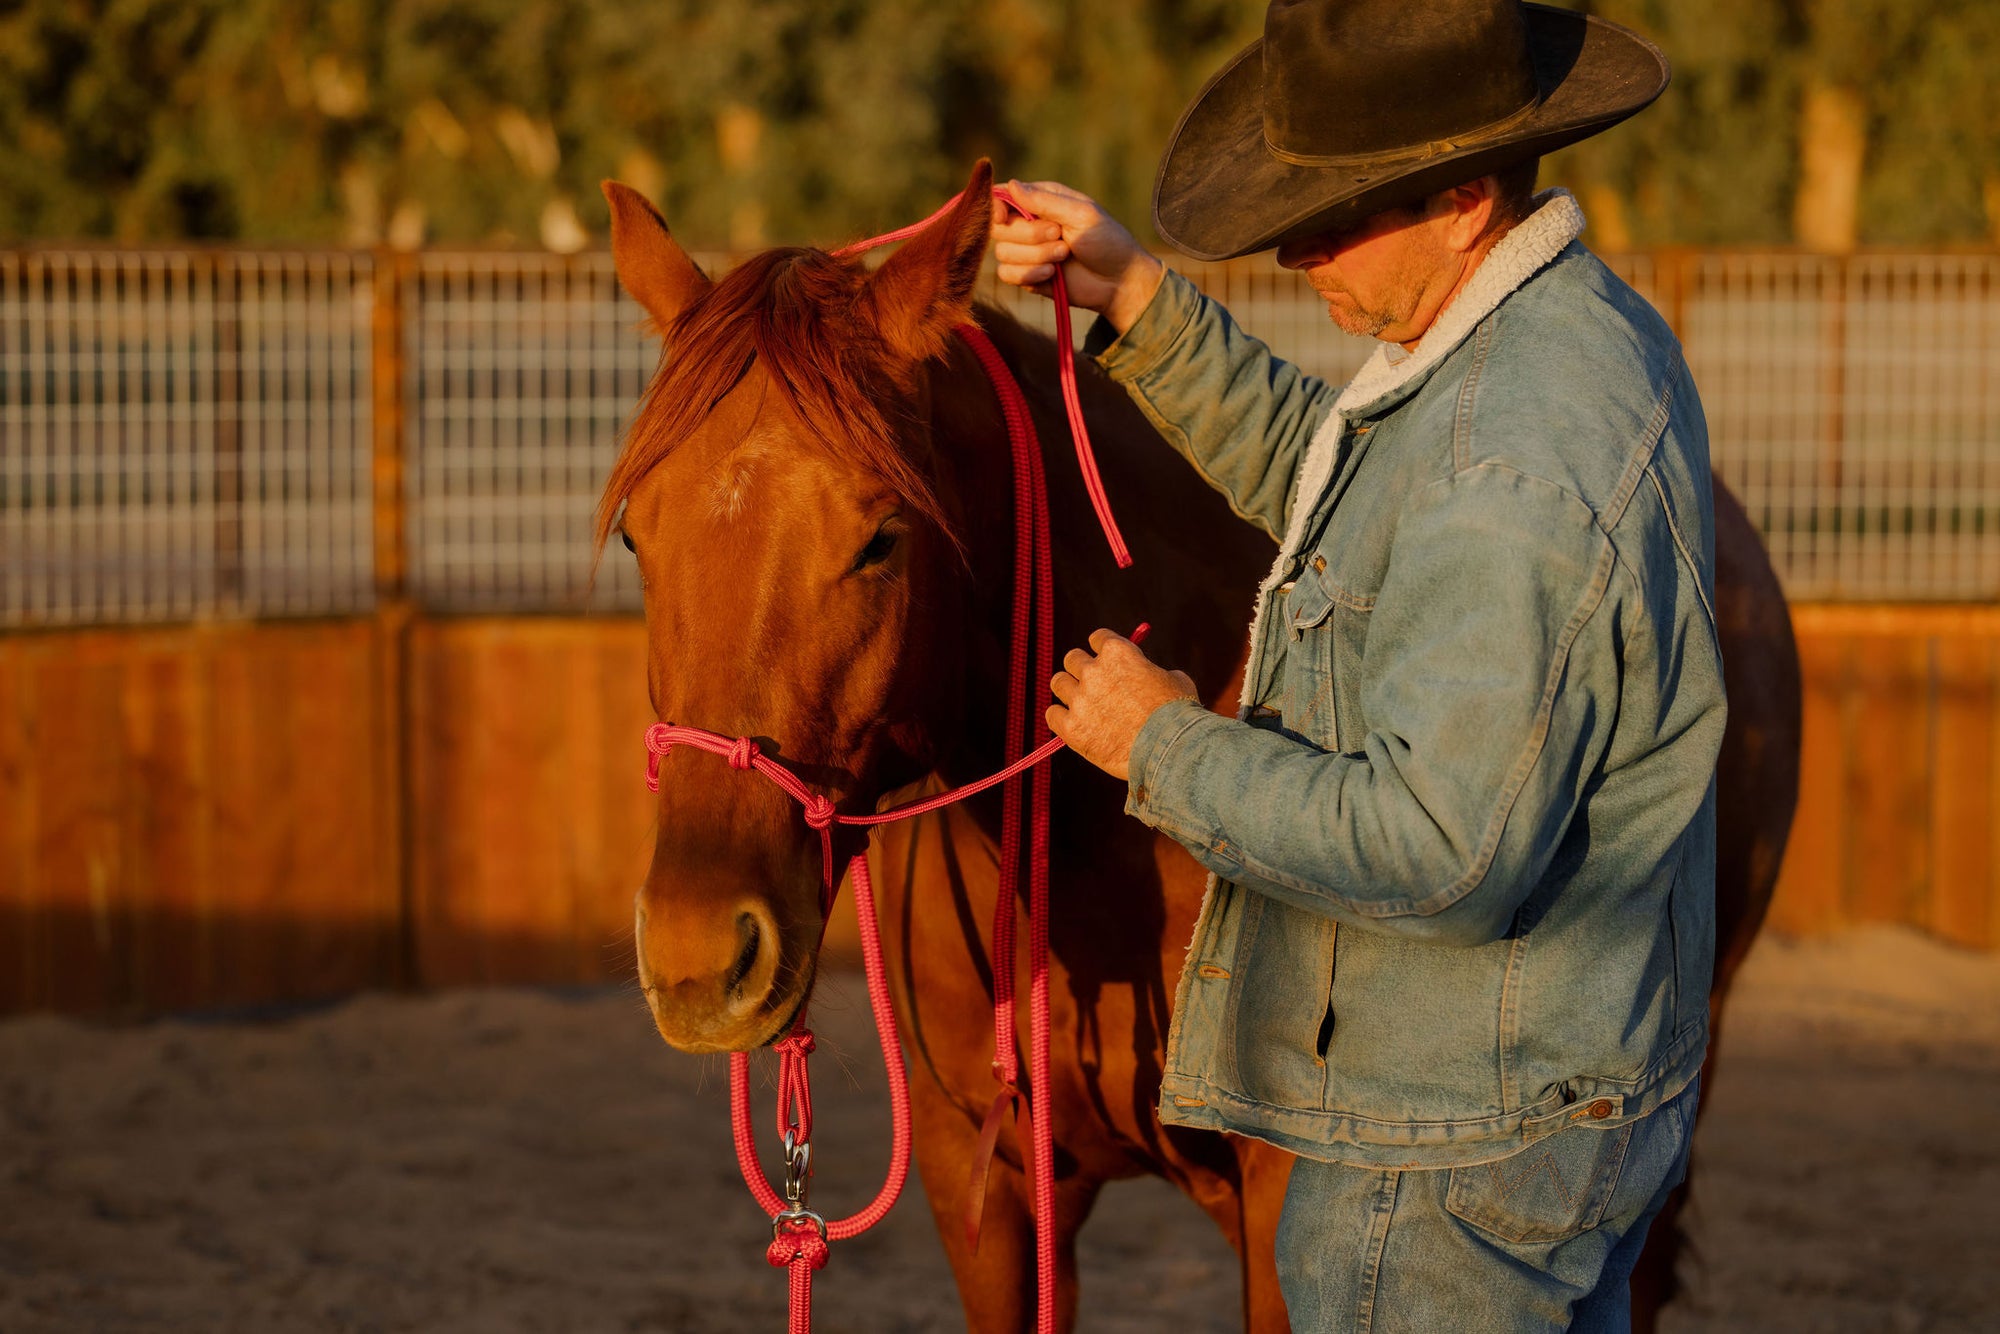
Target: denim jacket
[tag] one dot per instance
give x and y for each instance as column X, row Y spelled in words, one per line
column 1462, row 829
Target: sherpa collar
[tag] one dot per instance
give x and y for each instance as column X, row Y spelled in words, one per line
column 1392, row 373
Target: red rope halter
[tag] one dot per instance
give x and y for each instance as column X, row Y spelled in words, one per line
column 800, row 1236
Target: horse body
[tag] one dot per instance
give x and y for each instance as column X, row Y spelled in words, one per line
column 851, row 609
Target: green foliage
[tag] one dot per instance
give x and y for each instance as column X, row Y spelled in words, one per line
column 1716, row 161
column 814, row 120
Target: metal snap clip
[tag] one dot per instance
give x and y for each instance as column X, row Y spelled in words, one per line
column 798, row 1170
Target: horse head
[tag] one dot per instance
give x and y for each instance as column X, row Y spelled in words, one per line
column 779, row 489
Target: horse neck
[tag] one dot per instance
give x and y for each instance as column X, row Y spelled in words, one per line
column 1160, row 503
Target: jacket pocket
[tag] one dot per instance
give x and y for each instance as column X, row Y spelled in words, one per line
column 1309, row 660
column 1283, row 961
column 1553, row 1190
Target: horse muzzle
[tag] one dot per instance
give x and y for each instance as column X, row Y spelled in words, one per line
column 718, row 980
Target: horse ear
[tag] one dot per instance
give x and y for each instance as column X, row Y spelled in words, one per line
column 650, row 263
column 924, row 291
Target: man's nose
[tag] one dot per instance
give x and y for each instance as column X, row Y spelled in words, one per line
column 1305, row 254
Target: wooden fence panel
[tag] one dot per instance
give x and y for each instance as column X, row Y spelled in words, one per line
column 532, row 826
column 1899, row 808
column 1964, row 828
column 214, row 815
column 188, row 817
column 1885, row 750
column 1810, row 880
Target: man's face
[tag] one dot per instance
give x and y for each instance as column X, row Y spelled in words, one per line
column 1386, row 277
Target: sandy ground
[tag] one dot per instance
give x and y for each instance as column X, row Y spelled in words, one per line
column 513, row 1160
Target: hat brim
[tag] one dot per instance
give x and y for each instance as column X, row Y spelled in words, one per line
column 1221, row 192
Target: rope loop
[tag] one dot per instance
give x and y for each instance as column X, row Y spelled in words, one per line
column 795, row 1108
column 742, row 753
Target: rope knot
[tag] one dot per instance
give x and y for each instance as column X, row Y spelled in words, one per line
column 798, row 1045
column 658, row 742
column 742, row 753
column 798, row 1240
column 819, row 812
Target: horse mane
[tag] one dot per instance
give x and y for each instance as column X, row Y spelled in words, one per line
column 798, row 311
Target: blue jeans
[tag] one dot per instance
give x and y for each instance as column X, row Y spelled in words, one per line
column 1543, row 1240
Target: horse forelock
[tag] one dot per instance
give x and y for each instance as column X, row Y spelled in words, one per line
column 796, row 312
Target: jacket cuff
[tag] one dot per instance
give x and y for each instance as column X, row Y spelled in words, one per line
column 1152, row 785
column 1140, row 348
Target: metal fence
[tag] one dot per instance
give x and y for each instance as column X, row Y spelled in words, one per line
column 519, row 373
column 1855, row 408
column 184, row 435
column 197, row 434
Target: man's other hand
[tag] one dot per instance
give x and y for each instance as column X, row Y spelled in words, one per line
column 1108, row 692
column 1104, row 267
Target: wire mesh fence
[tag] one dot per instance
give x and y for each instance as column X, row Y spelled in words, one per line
column 519, row 373
column 192, row 434
column 183, row 435
column 1855, row 409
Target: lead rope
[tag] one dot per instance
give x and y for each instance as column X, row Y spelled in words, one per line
column 799, row 1236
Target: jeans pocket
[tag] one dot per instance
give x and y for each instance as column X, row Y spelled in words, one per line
column 1550, row 1191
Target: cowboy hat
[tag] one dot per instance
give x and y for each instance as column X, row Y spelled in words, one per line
column 1345, row 108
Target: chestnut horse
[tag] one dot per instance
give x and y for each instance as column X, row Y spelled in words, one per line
column 818, row 492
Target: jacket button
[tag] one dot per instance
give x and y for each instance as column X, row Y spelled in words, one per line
column 1319, row 565
column 1600, row 1109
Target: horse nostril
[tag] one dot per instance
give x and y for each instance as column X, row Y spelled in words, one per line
column 746, row 958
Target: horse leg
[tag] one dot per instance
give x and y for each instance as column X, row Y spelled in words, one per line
column 1267, row 1170
column 996, row 1284
column 1246, row 1207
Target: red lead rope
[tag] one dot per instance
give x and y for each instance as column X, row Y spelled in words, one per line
column 799, row 1236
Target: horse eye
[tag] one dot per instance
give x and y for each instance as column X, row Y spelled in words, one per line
column 878, row 548
column 626, row 538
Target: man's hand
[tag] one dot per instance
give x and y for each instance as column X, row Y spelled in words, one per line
column 1104, row 267
column 1109, row 692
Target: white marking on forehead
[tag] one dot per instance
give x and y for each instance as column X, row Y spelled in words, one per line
column 729, row 490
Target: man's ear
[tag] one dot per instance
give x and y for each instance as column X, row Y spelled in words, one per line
column 651, row 264
column 1470, row 209
column 924, row 291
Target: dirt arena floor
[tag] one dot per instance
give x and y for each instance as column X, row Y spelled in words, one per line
column 522, row 1161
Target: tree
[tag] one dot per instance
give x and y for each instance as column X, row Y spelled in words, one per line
column 1820, row 122
column 759, row 121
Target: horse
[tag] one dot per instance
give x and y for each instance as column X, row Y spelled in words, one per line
column 817, row 490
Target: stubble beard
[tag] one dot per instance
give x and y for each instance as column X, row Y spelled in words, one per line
column 1420, row 267
column 1355, row 318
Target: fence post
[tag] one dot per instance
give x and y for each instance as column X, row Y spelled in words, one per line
column 1832, row 478
column 1671, row 267
column 225, row 274
column 393, row 612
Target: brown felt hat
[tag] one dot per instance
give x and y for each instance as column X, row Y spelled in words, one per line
column 1345, row 108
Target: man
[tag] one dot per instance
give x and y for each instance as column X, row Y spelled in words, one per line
column 1457, row 952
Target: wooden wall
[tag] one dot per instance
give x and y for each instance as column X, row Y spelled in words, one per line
column 241, row 814
column 532, row 825
column 194, row 816
column 1899, row 800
